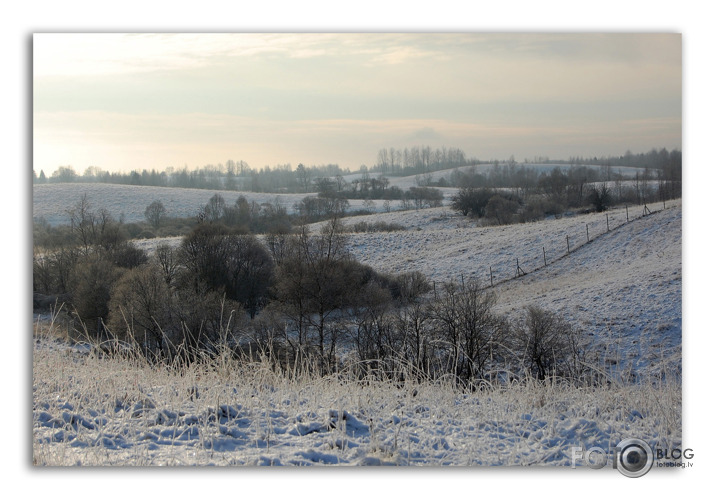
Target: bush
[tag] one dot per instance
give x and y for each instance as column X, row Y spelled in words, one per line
column 501, row 209
column 133, row 230
column 472, row 201
column 600, row 198
column 539, row 207
column 140, row 308
column 227, row 262
column 128, row 256
column 468, row 327
column 545, row 344
column 146, row 234
column 91, row 282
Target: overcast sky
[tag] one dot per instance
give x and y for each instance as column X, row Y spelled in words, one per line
column 135, row 101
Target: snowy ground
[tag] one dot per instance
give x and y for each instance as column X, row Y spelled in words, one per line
column 624, row 288
column 97, row 411
column 51, row 201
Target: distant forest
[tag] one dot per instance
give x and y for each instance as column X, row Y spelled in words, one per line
column 418, row 160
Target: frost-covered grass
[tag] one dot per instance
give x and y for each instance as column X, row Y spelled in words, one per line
column 90, row 409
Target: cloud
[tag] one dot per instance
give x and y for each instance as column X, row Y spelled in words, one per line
column 426, row 134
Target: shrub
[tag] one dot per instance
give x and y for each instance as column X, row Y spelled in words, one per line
column 600, row 198
column 472, row 201
column 467, row 325
column 501, row 209
column 227, row 262
column 545, row 344
column 140, row 308
column 146, row 234
column 91, row 283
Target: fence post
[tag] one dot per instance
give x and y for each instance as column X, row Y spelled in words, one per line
column 568, row 247
column 608, row 228
column 544, row 248
column 588, row 239
column 627, row 220
column 491, row 276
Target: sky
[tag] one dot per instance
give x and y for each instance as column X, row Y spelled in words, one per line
column 124, row 101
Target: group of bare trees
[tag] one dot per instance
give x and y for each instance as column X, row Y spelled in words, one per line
column 454, row 331
column 531, row 197
column 418, row 159
column 297, row 297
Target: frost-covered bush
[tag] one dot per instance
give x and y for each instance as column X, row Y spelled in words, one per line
column 544, row 344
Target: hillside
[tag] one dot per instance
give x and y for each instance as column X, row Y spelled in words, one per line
column 51, row 201
column 624, row 287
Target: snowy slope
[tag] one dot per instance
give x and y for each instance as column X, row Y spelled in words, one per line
column 621, row 282
column 51, row 201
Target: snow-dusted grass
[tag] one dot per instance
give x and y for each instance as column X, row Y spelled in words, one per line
column 94, row 410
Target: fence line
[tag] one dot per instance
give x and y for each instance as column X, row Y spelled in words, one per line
column 519, row 270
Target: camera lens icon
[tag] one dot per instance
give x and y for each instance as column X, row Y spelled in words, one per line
column 634, row 457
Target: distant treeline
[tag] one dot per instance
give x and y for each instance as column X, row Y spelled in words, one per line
column 422, row 161
column 233, row 176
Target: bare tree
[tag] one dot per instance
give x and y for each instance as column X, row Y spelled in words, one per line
column 155, row 213
column 465, row 321
column 545, row 344
column 83, row 223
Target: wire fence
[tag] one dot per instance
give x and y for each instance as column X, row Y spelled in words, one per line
column 556, row 250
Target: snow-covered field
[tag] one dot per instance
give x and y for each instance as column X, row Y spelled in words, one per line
column 98, row 411
column 52, row 201
column 621, row 282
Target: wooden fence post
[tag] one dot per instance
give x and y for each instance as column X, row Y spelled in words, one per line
column 588, row 239
column 491, row 276
column 544, row 248
column 568, row 247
